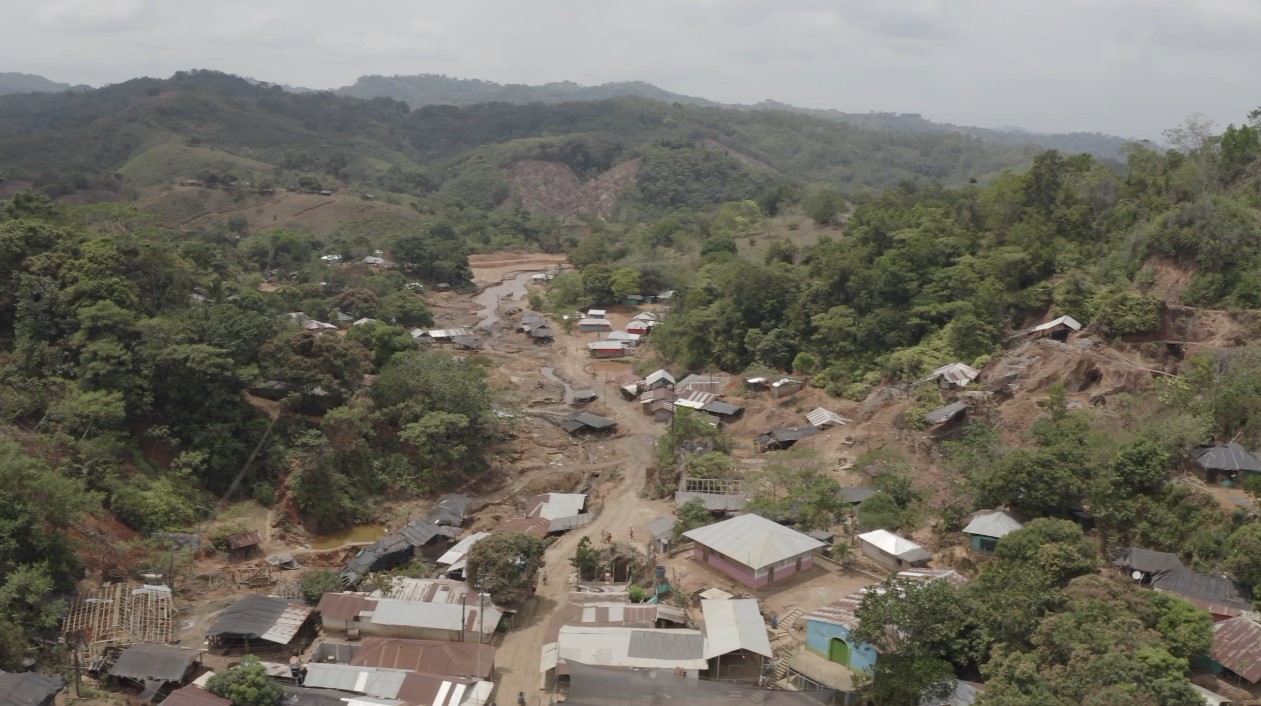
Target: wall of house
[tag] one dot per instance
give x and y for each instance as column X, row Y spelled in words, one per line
column 981, row 543
column 741, row 573
column 744, row 574
column 862, row 657
column 334, row 625
column 879, row 555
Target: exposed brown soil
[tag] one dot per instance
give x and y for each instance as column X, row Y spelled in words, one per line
column 553, row 188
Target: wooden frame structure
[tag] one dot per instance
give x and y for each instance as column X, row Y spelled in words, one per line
column 118, row 615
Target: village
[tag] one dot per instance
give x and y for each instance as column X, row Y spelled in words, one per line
column 744, row 608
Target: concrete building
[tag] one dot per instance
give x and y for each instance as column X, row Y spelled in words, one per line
column 753, row 550
column 893, row 551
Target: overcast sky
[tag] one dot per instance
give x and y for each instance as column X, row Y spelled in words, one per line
column 1128, row 67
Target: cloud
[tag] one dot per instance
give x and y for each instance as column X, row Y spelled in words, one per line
column 92, row 15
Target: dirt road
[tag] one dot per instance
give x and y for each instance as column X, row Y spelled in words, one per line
column 517, row 660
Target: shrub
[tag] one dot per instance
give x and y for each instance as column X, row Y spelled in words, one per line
column 1127, row 313
column 316, row 583
column 637, row 593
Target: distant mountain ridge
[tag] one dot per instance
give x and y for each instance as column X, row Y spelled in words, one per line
column 13, row 82
column 421, row 90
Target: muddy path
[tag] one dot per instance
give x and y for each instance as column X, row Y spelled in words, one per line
column 623, row 509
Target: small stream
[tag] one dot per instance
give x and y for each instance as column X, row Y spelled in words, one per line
column 511, row 288
column 550, row 374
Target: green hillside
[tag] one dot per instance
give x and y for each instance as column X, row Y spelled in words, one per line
column 101, row 137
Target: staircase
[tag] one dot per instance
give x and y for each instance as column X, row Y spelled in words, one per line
column 783, row 643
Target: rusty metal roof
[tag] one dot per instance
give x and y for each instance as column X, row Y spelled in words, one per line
column 194, row 696
column 467, row 659
column 534, row 526
column 839, row 613
column 245, row 539
column 1237, row 647
column 344, row 606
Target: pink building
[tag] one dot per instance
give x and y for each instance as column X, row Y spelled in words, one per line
column 753, row 550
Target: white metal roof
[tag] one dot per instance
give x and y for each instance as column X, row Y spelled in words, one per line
column 715, row 594
column 658, row 377
column 596, row 313
column 595, row 322
column 753, row 540
column 819, row 417
column 955, row 373
column 1066, row 320
column 622, row 336
column 478, row 693
column 890, row 543
column 611, row 647
column 373, row 681
column 785, row 381
column 461, row 548
column 448, row 332
column 605, row 346
column 646, row 316
column 288, row 624
column 558, row 505
column 440, row 616
column 695, row 399
column 993, row 523
column 734, row 624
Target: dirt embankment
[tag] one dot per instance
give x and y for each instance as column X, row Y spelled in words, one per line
column 553, row 188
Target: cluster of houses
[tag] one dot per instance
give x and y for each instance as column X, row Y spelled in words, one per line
column 616, row 344
column 659, row 394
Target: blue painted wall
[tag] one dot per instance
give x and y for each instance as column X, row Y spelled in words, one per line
column 862, row 657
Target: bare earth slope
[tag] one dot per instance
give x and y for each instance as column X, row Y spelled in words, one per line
column 554, row 189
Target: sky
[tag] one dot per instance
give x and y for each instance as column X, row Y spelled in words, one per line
column 1127, row 67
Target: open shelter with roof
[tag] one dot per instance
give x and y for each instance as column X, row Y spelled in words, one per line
column 1237, row 648
column 753, row 550
column 260, row 622
column 155, row 666
column 736, row 642
column 1225, row 463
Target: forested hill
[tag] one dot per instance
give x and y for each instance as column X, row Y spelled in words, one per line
column 148, row 132
column 430, row 89
column 11, row 82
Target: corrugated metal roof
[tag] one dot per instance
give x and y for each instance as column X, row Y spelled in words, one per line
column 344, row 606
column 840, row 612
column 946, row 413
column 722, row 409
column 646, row 316
column 1147, row 561
column 661, row 527
column 694, row 399
column 194, row 696
column 820, row 417
column 732, row 625
column 786, row 382
column 245, row 539
column 622, row 336
column 1237, row 647
column 714, row 502
column 448, row 332
column 564, row 524
column 596, row 313
column 551, row 506
column 1068, row 321
column 753, row 540
column 461, row 548
column 632, row 647
column 1228, row 457
column 926, row 574
column 148, row 661
column 606, row 346
column 890, row 543
column 596, row 323
column 954, row 373
column 993, row 523
column 1211, row 698
column 608, row 613
column 1215, row 594
column 533, row 526
column 658, row 394
column 374, row 681
column 658, row 377
column 288, row 624
column 439, row 616
column 460, row 659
